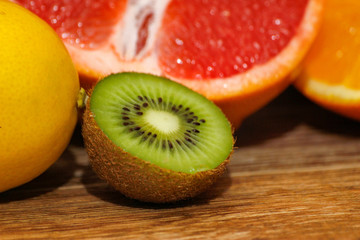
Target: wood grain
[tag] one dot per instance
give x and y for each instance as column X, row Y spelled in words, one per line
column 294, row 175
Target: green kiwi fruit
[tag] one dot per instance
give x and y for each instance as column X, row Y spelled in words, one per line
column 153, row 139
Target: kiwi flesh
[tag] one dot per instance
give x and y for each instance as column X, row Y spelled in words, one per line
column 153, row 139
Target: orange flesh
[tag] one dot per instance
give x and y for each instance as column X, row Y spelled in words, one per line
column 338, row 63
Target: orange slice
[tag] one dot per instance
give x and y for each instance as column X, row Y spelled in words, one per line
column 237, row 53
column 331, row 73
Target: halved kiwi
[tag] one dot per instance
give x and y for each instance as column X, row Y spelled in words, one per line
column 153, row 139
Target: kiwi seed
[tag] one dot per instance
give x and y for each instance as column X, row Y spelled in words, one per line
column 153, row 139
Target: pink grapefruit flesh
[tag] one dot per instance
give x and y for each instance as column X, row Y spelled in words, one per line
column 219, row 39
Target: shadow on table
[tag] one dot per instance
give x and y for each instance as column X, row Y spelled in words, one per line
column 54, row 177
column 103, row 191
column 57, row 175
column 285, row 113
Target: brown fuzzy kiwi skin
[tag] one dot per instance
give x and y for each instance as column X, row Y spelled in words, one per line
column 138, row 179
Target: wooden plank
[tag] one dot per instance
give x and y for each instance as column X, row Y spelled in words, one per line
column 295, row 174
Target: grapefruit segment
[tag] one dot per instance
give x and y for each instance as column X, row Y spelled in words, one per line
column 222, row 40
column 85, row 24
column 235, row 52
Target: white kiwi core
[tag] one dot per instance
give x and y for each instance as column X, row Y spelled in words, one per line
column 163, row 121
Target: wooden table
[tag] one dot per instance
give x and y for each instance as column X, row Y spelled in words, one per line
column 295, row 174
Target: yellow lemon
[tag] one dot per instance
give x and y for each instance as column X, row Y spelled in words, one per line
column 38, row 92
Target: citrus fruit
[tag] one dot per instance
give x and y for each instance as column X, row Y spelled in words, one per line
column 237, row 53
column 331, row 70
column 38, row 91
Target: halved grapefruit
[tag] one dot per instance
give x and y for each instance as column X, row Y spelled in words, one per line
column 331, row 70
column 237, row 53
